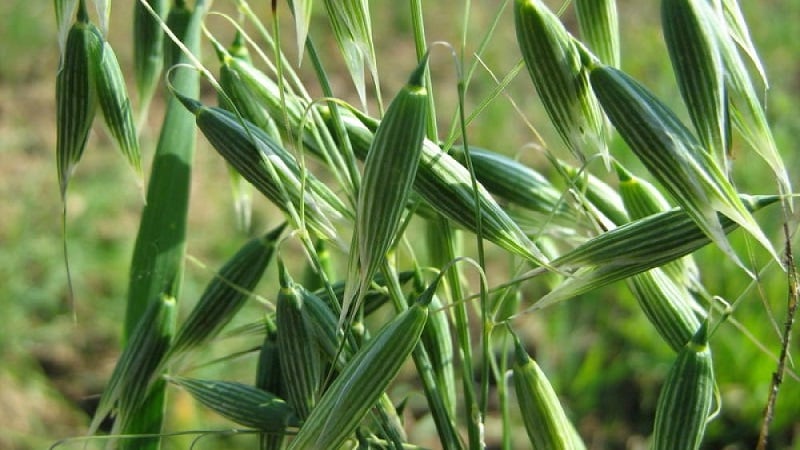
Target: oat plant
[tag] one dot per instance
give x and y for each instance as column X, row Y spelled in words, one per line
column 412, row 265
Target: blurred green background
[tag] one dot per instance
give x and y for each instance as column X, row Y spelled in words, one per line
column 600, row 352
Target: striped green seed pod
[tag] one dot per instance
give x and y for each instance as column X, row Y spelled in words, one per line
column 685, row 401
column 667, row 305
column 323, row 321
column 227, row 292
column 238, row 95
column 389, row 172
column 281, row 109
column 672, row 155
column 298, row 351
column 633, row 248
column 76, row 97
column 268, row 167
column 639, row 196
column 115, row 105
column 438, row 342
column 655, row 239
column 661, row 292
column 513, row 181
column 440, row 179
column 600, row 28
column 642, row 199
column 556, row 67
column 269, row 379
column 137, row 366
column 547, row 424
column 698, row 67
column 241, row 403
column 268, row 375
column 237, row 98
column 362, row 382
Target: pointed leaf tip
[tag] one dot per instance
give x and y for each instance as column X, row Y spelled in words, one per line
column 194, row 106
column 284, row 279
column 417, row 78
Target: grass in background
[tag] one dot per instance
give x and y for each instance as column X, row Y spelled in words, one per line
column 48, row 358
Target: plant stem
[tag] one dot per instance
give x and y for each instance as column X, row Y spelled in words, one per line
column 791, row 311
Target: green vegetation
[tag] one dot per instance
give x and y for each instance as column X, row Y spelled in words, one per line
column 397, row 242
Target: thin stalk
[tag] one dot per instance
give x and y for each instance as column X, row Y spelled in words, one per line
column 418, row 27
column 484, row 302
column 454, row 282
column 70, row 289
column 500, row 370
column 791, row 311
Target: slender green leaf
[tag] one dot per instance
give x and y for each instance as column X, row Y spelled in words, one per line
column 148, row 49
column 299, row 354
column 158, row 256
column 737, row 27
column 301, row 10
column 749, row 116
